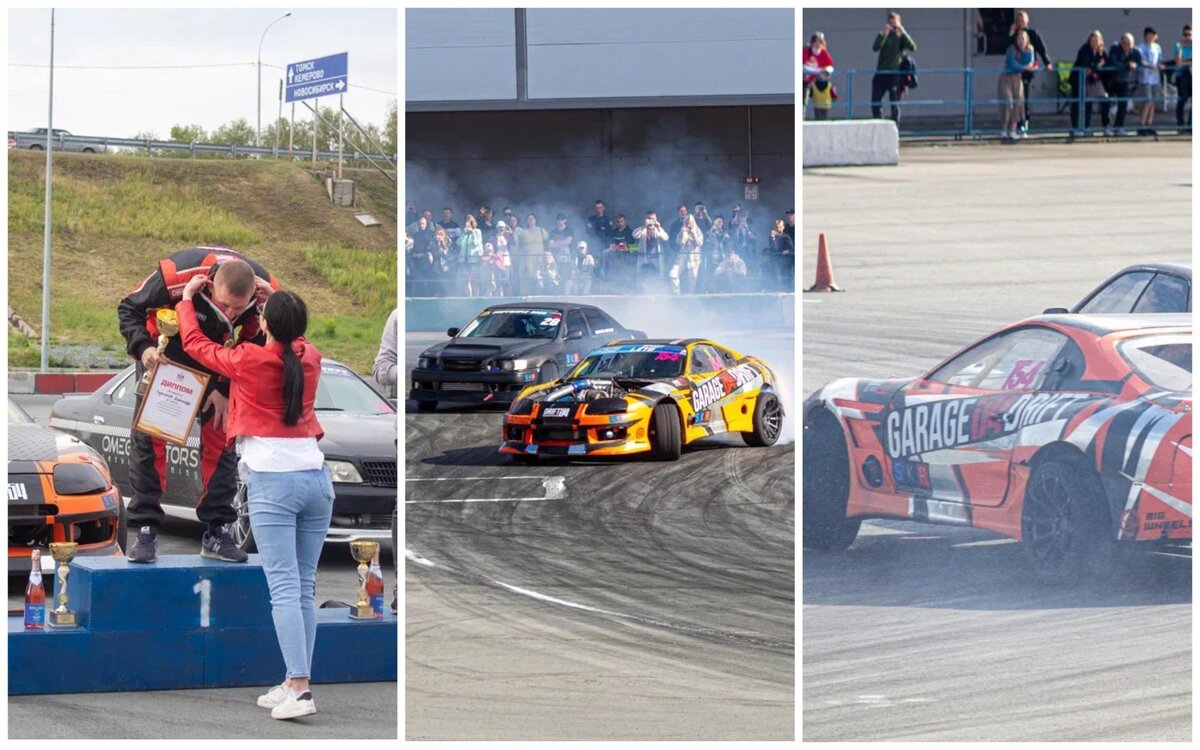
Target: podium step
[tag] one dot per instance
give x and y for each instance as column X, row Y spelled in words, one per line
column 183, row 622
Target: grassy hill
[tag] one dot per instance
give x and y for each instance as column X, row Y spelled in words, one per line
column 115, row 216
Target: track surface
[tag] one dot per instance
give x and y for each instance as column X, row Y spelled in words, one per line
column 924, row 632
column 597, row 600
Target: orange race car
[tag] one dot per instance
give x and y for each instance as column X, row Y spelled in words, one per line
column 1071, row 433
column 59, row 490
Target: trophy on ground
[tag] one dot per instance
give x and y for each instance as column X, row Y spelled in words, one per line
column 168, row 326
column 60, row 616
column 364, row 552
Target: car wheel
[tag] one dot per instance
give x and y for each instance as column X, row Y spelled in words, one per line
column 767, row 421
column 665, row 441
column 1064, row 525
column 89, row 151
column 240, row 528
column 547, row 373
column 35, row 147
column 425, row 407
column 826, row 487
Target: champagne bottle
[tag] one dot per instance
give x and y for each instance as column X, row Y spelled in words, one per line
column 35, row 595
column 375, row 585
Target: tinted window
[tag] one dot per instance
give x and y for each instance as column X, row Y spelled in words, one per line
column 705, row 359
column 1167, row 293
column 1016, row 361
column 601, row 324
column 514, row 324
column 627, row 362
column 341, row 390
column 1162, row 361
column 1120, row 295
column 575, row 323
column 125, row 394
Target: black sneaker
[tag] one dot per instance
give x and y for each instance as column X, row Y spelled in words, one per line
column 220, row 546
column 145, row 549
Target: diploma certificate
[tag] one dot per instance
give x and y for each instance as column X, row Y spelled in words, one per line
column 171, row 402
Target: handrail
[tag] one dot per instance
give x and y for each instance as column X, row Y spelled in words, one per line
column 204, row 148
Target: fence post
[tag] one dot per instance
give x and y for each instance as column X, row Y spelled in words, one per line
column 193, row 150
column 1081, row 98
column 968, row 94
column 850, row 95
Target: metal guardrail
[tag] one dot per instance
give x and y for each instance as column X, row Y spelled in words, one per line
column 973, row 115
column 199, row 148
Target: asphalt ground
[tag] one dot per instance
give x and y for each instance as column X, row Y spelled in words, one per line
column 359, row 711
column 922, row 632
column 598, row 600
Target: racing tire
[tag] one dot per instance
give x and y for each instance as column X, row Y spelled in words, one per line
column 427, row 407
column 826, row 487
column 240, row 528
column 547, row 373
column 767, row 421
column 1065, row 528
column 666, row 443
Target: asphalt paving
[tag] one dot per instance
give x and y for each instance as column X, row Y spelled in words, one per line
column 931, row 633
column 597, row 599
column 359, row 711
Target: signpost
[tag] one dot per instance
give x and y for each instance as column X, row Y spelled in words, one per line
column 312, row 79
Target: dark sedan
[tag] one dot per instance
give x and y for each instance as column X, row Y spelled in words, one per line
column 1159, row 287
column 359, row 447
column 508, row 347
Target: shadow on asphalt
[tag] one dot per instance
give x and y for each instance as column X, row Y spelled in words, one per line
column 939, row 568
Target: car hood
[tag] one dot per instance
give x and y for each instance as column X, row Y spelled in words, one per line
column 30, row 443
column 487, row 348
column 369, row 437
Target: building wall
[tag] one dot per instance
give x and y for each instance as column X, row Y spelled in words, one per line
column 635, row 159
column 945, row 39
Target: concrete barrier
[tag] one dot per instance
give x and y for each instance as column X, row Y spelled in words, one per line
column 57, row 382
column 849, row 143
column 658, row 316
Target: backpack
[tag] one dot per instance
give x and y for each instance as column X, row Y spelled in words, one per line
column 909, row 66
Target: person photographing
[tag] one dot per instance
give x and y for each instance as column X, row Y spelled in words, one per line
column 272, row 420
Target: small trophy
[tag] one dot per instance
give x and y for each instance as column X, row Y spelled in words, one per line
column 60, row 616
column 168, row 326
column 364, row 552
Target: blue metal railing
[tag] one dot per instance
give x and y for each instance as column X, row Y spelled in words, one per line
column 934, row 116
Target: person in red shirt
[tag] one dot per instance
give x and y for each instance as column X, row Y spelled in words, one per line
column 818, row 66
column 272, row 419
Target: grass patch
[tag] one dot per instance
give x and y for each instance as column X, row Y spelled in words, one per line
column 368, row 277
column 351, row 340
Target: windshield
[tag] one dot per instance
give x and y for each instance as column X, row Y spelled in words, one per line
column 341, row 390
column 514, row 324
column 1162, row 361
column 17, row 415
column 640, row 362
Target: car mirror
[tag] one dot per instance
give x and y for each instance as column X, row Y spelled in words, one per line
column 1055, row 311
column 576, row 334
column 451, row 332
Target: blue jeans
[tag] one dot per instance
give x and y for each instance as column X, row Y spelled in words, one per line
column 289, row 515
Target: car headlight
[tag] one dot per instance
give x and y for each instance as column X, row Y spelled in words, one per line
column 344, row 471
column 78, row 479
column 427, row 362
column 510, row 365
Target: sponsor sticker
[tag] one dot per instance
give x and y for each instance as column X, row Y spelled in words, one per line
column 721, row 385
column 557, row 412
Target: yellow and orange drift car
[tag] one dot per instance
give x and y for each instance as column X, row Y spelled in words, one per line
column 59, row 490
column 638, row 396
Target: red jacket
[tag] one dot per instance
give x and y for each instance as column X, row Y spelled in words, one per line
column 256, row 372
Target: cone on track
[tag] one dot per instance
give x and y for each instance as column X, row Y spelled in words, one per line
column 824, row 281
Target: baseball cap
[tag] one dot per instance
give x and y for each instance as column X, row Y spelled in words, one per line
column 560, row 216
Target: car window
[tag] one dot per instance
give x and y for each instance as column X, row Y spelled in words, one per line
column 339, row 389
column 1015, row 361
column 1162, row 361
column 17, row 415
column 1167, row 293
column 727, row 357
column 125, row 394
column 575, row 323
column 601, row 324
column 514, row 324
column 704, row 360
column 1120, row 295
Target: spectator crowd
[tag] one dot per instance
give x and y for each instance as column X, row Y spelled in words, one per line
column 490, row 256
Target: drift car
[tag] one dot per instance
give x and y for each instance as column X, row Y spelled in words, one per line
column 646, row 396
column 359, row 447
column 1070, row 433
column 59, row 490
column 508, row 347
column 1159, row 287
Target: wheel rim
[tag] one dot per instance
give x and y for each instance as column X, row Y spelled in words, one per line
column 1048, row 528
column 772, row 419
column 240, row 529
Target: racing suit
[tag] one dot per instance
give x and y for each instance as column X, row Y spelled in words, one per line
column 136, row 314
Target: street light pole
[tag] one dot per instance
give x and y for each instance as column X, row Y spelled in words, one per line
column 45, row 361
column 258, row 127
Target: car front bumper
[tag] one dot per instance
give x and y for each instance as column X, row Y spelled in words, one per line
column 469, row 387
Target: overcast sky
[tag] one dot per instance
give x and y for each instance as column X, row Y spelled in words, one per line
column 120, row 103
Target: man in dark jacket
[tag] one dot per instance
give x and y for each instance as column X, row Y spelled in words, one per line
column 228, row 315
column 1125, row 58
column 1021, row 23
column 892, row 44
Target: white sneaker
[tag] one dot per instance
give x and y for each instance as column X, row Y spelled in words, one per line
column 295, row 706
column 273, row 697
column 1108, row 132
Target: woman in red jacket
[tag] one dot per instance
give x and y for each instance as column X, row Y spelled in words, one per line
column 272, row 418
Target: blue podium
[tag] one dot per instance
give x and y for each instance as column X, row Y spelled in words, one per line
column 182, row 622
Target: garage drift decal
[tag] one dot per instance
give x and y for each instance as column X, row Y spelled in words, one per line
column 718, row 387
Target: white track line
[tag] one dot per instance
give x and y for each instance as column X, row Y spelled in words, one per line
column 556, row 489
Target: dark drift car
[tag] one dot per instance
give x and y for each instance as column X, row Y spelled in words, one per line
column 359, row 447
column 508, row 347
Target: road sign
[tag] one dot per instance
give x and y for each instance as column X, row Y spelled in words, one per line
column 324, row 76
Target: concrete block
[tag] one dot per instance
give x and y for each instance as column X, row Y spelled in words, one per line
column 343, row 192
column 21, row 382
column 847, row 143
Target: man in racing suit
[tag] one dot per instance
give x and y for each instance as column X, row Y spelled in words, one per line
column 227, row 315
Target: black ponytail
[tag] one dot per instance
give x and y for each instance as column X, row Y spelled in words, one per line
column 287, row 319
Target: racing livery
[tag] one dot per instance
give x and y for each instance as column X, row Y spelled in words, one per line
column 59, row 490
column 1071, row 433
column 637, row 396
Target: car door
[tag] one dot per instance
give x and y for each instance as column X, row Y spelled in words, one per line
column 949, row 437
column 577, row 340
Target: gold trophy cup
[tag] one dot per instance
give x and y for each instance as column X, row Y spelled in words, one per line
column 363, row 551
column 168, row 326
column 60, row 616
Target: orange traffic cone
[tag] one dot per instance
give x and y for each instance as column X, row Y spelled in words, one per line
column 824, row 281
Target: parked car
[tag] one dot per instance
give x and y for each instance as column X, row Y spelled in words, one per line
column 359, row 447
column 35, row 140
column 1159, row 287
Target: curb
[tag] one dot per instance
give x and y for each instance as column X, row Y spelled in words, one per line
column 57, row 383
